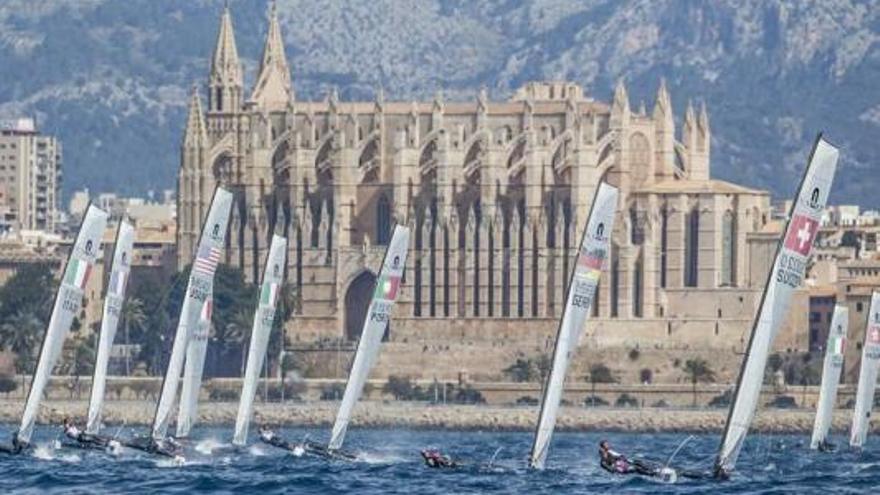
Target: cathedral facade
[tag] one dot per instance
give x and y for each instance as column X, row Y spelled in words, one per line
column 496, row 194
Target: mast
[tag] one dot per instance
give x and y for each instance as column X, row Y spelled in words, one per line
column 867, row 375
column 198, row 291
column 582, row 285
column 786, row 275
column 378, row 314
column 264, row 317
column 68, row 300
column 114, row 297
column 834, row 352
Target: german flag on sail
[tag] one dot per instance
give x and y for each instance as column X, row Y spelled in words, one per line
column 270, row 292
column 77, row 273
column 386, row 288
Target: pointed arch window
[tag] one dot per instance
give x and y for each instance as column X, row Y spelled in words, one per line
column 728, row 250
column 692, row 249
column 664, row 244
column 383, row 221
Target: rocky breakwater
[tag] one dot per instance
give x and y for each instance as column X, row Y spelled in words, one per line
column 454, row 417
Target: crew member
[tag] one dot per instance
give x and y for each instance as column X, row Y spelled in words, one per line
column 433, row 458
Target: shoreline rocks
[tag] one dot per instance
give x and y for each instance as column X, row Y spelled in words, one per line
column 413, row 415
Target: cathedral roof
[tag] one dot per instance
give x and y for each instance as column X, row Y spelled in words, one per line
column 225, row 65
column 698, row 187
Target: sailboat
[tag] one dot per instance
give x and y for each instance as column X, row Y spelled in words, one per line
column 114, row 298
column 867, row 376
column 68, row 301
column 785, row 276
column 834, row 351
column 378, row 315
column 581, row 292
column 264, row 317
column 196, row 305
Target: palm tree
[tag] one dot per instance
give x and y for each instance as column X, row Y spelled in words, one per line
column 238, row 332
column 21, row 335
column 132, row 316
column 698, row 370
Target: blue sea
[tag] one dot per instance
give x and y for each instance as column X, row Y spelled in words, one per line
column 390, row 463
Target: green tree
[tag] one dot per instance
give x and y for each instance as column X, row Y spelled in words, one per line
column 22, row 334
column 133, row 317
column 698, row 370
column 599, row 373
column 522, row 370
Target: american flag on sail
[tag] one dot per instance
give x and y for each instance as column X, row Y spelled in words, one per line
column 207, row 260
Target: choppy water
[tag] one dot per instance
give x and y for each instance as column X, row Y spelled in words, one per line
column 769, row 464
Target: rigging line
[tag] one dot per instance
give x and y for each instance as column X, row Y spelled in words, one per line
column 680, row 445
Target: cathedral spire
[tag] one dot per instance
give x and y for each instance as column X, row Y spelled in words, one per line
column 663, row 105
column 195, row 135
column 226, row 79
column 273, row 89
column 621, row 99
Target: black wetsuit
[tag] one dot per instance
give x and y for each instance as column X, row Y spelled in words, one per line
column 826, row 446
column 276, row 441
column 438, row 460
column 618, row 464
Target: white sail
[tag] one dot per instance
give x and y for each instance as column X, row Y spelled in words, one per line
column 785, row 276
column 834, row 352
column 68, row 301
column 114, row 297
column 378, row 314
column 198, row 291
column 867, row 375
column 581, row 291
column 194, row 366
column 264, row 317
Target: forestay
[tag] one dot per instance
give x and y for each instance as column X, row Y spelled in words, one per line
column 68, row 301
column 785, row 276
column 273, row 276
column 114, row 297
column 592, row 253
column 199, row 291
column 834, row 351
column 867, row 375
column 387, row 288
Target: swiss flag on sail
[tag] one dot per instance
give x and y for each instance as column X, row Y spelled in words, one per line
column 801, row 233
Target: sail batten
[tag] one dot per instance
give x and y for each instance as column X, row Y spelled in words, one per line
column 264, row 317
column 867, row 375
column 592, row 253
column 199, row 291
column 68, row 301
column 785, row 276
column 113, row 301
column 378, row 314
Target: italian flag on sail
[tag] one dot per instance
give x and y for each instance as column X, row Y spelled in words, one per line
column 838, row 344
column 77, row 273
column 270, row 292
column 386, row 288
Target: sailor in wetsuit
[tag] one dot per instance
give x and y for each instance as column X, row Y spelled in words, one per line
column 81, row 437
column 433, row 458
column 826, row 446
column 269, row 436
column 617, row 463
